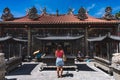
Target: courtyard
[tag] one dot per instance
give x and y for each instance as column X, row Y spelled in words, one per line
column 30, row 71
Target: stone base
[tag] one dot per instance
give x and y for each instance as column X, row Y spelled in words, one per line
column 2, row 66
column 2, row 75
column 116, row 76
column 116, row 73
column 103, row 64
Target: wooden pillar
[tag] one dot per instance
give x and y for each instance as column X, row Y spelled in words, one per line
column 1, row 34
column 9, row 52
column 86, row 42
column 118, row 30
column 1, row 31
column 20, row 52
column 43, row 46
column 100, row 46
column 108, row 51
column 118, row 47
column 29, row 42
column 72, row 47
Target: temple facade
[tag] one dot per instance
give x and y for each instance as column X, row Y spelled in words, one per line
column 22, row 36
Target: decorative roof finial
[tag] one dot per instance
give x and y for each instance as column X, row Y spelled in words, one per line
column 57, row 12
column 82, row 14
column 44, row 11
column 108, row 15
column 33, row 13
column 6, row 16
column 27, row 11
column 70, row 11
column 117, row 15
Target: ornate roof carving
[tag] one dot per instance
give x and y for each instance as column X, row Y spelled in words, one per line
column 57, row 12
column 81, row 18
column 70, row 11
column 6, row 16
column 108, row 15
column 117, row 15
column 82, row 14
column 32, row 13
column 44, row 11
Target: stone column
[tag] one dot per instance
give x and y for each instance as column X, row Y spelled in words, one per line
column 86, row 42
column 29, row 43
column 2, row 67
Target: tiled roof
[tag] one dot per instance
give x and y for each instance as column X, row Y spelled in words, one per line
column 61, row 19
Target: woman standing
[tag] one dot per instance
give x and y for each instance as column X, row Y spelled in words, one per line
column 59, row 60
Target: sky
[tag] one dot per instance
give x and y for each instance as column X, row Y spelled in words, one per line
column 95, row 8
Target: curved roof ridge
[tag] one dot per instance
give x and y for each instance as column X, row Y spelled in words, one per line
column 91, row 18
column 58, row 19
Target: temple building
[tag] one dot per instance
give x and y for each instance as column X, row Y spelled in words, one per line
column 22, row 36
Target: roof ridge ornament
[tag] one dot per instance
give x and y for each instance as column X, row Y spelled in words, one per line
column 32, row 13
column 108, row 15
column 82, row 14
column 44, row 10
column 117, row 15
column 70, row 11
column 57, row 12
column 6, row 16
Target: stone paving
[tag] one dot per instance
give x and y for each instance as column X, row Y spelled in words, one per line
column 30, row 71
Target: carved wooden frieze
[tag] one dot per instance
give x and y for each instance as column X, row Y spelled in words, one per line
column 32, row 13
column 6, row 16
column 82, row 14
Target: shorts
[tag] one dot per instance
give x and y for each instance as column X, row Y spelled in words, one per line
column 59, row 62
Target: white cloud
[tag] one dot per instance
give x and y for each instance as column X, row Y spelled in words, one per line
column 90, row 7
column 100, row 12
column 116, row 9
column 41, row 7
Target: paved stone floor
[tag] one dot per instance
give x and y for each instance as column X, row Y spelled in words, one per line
column 30, row 71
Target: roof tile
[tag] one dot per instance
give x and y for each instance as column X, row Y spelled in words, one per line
column 54, row 19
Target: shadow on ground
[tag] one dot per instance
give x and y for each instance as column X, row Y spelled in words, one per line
column 84, row 67
column 23, row 70
column 81, row 67
column 54, row 69
column 67, row 74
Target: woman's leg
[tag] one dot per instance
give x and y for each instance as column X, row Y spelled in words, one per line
column 58, row 71
column 61, row 71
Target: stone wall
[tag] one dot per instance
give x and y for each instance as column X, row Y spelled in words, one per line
column 2, row 67
column 116, row 58
column 116, row 66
